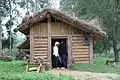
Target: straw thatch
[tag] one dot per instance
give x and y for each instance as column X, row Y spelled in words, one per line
column 62, row 16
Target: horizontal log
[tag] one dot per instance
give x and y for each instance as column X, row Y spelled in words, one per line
column 40, row 36
column 40, row 46
column 77, row 41
column 76, row 36
column 40, row 40
column 81, row 56
column 78, row 47
column 80, row 50
column 40, row 52
column 77, row 44
column 40, row 49
column 39, row 43
column 81, row 53
column 41, row 56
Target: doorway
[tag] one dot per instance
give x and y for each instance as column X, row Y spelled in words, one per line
column 52, row 45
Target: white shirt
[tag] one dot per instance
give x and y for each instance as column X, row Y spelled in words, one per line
column 55, row 51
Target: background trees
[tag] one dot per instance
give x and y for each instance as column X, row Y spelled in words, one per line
column 105, row 11
column 11, row 16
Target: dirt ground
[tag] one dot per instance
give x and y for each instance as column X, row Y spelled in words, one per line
column 80, row 75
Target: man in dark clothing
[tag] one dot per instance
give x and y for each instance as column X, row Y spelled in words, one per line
column 63, row 54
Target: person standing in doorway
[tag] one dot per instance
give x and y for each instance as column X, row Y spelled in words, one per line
column 56, row 54
column 63, row 54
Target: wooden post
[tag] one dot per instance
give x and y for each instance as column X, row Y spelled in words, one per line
column 49, row 38
column 31, row 47
column 69, row 50
column 91, row 50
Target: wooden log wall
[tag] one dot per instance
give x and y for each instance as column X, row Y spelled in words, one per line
column 39, row 29
column 80, row 51
column 40, row 47
column 61, row 28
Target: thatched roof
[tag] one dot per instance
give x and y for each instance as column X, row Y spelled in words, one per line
column 62, row 16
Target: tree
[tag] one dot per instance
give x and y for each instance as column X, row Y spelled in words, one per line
column 107, row 11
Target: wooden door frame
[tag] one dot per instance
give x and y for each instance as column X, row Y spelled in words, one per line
column 68, row 49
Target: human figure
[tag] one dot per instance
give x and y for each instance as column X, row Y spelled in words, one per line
column 63, row 54
column 56, row 54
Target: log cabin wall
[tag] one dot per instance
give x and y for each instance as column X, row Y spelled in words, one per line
column 79, row 51
column 39, row 44
column 76, row 48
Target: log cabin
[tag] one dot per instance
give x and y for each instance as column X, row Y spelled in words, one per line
column 42, row 29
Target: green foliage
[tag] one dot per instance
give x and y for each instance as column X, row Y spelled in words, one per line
column 106, row 11
column 16, row 71
column 99, row 66
column 33, row 5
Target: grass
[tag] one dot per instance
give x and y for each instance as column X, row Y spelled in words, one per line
column 16, row 71
column 99, row 66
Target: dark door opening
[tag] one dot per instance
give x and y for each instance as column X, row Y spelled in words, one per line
column 52, row 45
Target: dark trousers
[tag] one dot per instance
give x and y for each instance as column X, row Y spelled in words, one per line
column 56, row 62
column 64, row 61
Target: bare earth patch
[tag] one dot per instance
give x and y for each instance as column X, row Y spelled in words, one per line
column 80, row 75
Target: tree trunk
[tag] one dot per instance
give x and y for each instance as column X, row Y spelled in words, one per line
column 0, row 37
column 116, row 54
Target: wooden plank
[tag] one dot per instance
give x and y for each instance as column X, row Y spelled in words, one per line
column 40, row 40
column 55, row 28
column 49, row 37
column 39, row 37
column 76, row 44
column 40, row 49
column 40, row 55
column 77, row 37
column 40, row 52
column 80, row 50
column 64, row 28
column 31, row 50
column 80, row 47
column 40, row 46
column 91, row 50
column 80, row 53
column 81, row 41
column 81, row 56
column 39, row 43
column 43, row 28
column 69, row 50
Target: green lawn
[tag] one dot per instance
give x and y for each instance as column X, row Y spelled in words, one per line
column 16, row 71
column 99, row 66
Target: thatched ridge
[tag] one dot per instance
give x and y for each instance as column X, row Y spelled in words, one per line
column 38, row 17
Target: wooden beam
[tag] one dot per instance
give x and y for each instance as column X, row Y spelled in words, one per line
column 70, row 50
column 53, row 35
column 91, row 50
column 31, row 50
column 49, row 38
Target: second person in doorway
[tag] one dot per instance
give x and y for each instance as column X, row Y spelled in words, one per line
column 63, row 54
